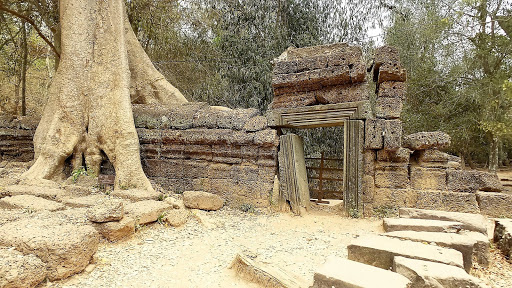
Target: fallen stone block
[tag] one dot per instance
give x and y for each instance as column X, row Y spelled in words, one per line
column 339, row 272
column 65, row 248
column 388, row 108
column 427, row 140
column 428, row 178
column 463, row 243
column 447, row 201
column 117, row 230
column 176, row 217
column 30, row 202
column 146, row 211
column 202, row 200
column 470, row 222
column 18, row 270
column 265, row 275
column 43, row 192
column 379, row 251
column 495, row 204
column 503, row 236
column 430, row 274
column 136, row 194
column 420, row 225
column 106, row 211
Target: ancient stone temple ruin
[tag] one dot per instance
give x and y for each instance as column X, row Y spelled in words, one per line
column 242, row 155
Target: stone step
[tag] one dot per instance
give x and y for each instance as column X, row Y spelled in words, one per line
column 420, row 225
column 30, row 202
column 462, row 243
column 339, row 272
column 471, row 222
column 481, row 249
column 379, row 251
column 430, row 274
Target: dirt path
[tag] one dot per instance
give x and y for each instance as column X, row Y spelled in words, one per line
column 198, row 254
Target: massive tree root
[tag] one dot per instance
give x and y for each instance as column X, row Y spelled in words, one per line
column 103, row 69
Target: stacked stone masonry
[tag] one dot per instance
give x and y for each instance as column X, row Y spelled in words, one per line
column 228, row 152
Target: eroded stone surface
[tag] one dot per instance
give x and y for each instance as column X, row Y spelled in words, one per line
column 18, row 270
column 202, row 200
column 339, row 272
column 117, row 230
column 379, row 251
column 146, row 211
column 503, row 235
column 470, row 222
column 106, row 210
column 427, row 140
column 176, row 217
column 425, row 274
column 30, row 202
column 65, row 248
column 420, row 225
column 463, row 243
column 50, row 193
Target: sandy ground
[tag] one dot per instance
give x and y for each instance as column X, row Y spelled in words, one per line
column 199, row 253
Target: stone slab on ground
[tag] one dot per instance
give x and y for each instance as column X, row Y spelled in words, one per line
column 65, row 248
column 470, row 222
column 106, row 210
column 176, row 217
column 146, row 211
column 202, row 200
column 420, row 225
column 117, row 230
column 136, row 194
column 18, row 270
column 264, row 274
column 344, row 273
column 379, row 251
column 495, row 204
column 462, row 243
column 43, row 192
column 85, row 201
column 481, row 248
column 424, row 274
column 30, row 202
column 503, row 235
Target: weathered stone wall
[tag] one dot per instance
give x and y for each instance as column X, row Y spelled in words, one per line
column 411, row 171
column 194, row 146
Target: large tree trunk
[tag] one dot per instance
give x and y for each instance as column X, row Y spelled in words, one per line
column 89, row 107
column 494, row 154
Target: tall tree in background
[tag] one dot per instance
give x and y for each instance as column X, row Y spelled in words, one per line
column 458, row 59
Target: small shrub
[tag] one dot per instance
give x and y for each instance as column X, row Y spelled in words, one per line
column 247, row 208
column 77, row 173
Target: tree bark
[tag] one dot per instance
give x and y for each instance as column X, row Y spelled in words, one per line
column 24, row 66
column 89, row 108
column 494, row 154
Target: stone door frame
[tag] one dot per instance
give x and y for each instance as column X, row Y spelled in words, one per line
column 352, row 116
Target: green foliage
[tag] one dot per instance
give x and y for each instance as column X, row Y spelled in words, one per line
column 456, row 74
column 77, row 173
column 247, row 208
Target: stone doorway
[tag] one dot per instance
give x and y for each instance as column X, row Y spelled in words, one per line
column 349, row 115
